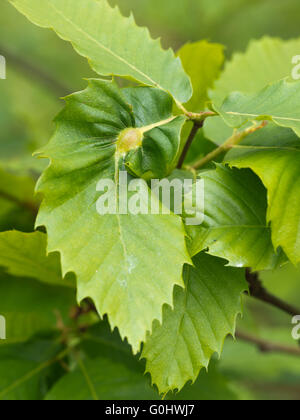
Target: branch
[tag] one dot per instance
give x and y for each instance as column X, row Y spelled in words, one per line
column 35, row 72
column 193, row 133
column 234, row 140
column 266, row 346
column 258, row 291
column 28, row 205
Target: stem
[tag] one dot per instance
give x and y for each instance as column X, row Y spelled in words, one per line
column 266, row 346
column 234, row 140
column 258, row 291
column 193, row 133
column 35, row 72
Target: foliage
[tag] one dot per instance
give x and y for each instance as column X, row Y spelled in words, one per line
column 92, row 301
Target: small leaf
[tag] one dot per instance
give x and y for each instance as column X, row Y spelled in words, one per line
column 113, row 44
column 278, row 166
column 235, row 226
column 128, row 264
column 278, row 102
column 202, row 61
column 204, row 314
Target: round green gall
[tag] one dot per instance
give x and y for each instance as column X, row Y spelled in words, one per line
column 129, row 139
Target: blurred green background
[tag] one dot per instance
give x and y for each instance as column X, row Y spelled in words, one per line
column 41, row 68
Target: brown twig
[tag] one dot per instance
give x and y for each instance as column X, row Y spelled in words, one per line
column 35, row 72
column 193, row 133
column 258, row 291
column 267, row 346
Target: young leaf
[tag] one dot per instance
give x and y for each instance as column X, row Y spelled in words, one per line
column 277, row 164
column 113, row 44
column 204, row 314
column 265, row 61
column 158, row 154
column 235, row 226
column 202, row 61
column 211, row 385
column 278, row 102
column 89, row 146
column 24, row 255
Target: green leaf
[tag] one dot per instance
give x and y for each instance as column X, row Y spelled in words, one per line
column 211, row 385
column 18, row 206
column 105, row 369
column 201, row 147
column 113, row 44
column 278, row 102
column 24, row 255
column 25, row 369
column 202, row 61
column 158, row 154
column 99, row 339
column 128, row 264
column 101, row 379
column 217, row 130
column 17, row 203
column 204, row 314
column 19, row 189
column 235, row 226
column 277, row 164
column 265, row 61
column 30, row 306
